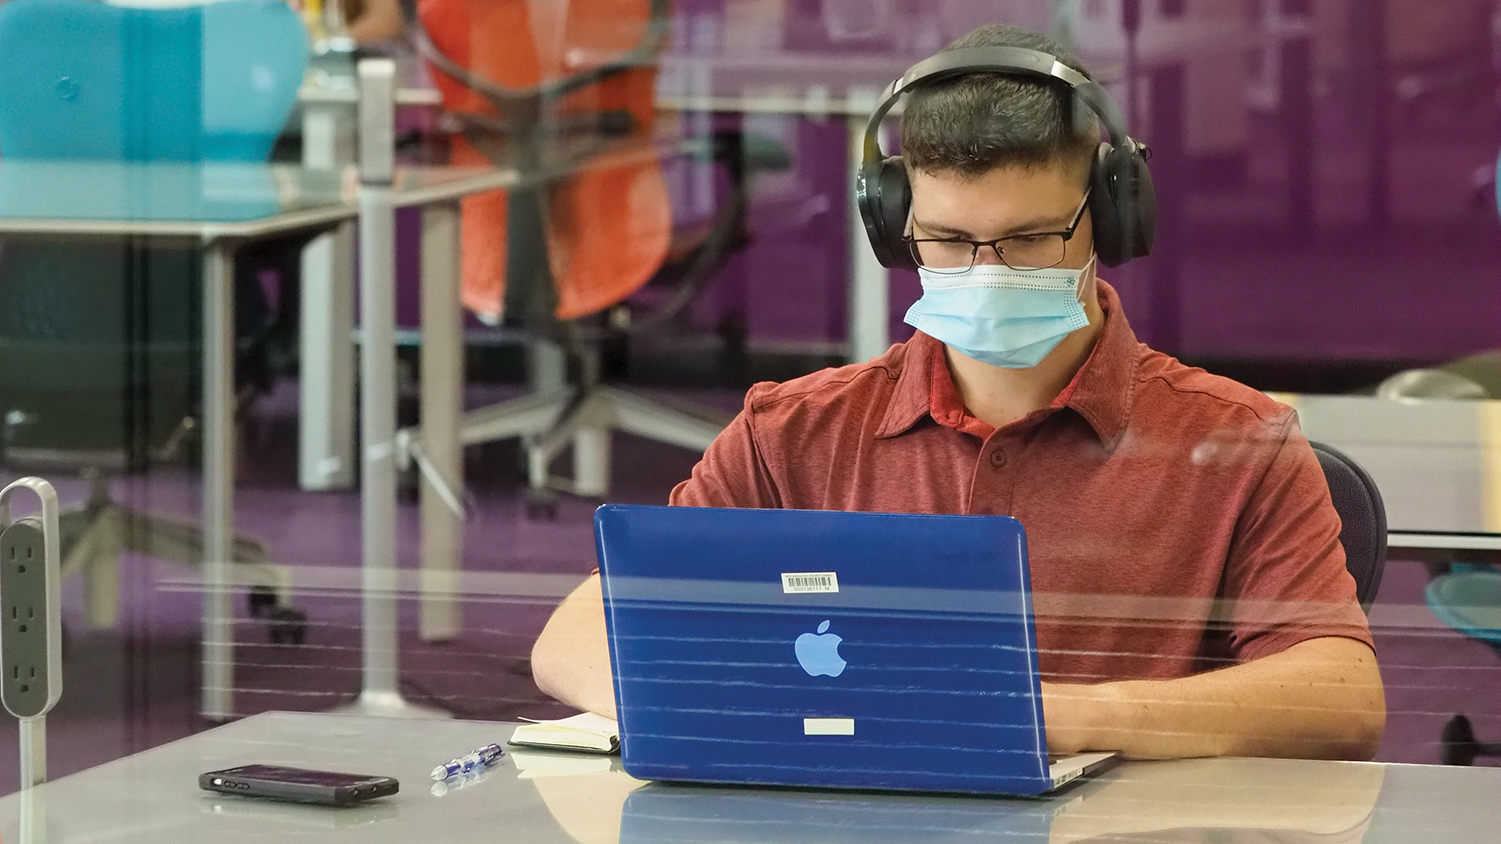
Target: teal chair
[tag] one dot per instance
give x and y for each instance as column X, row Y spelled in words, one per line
column 1468, row 599
column 83, row 79
column 100, row 341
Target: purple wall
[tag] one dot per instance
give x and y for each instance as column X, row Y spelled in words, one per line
column 1348, row 218
column 1324, row 197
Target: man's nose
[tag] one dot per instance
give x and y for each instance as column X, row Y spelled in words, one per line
column 988, row 255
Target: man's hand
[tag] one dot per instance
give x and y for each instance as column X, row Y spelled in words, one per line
column 1321, row 699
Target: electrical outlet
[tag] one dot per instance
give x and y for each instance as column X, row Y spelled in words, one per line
column 30, row 621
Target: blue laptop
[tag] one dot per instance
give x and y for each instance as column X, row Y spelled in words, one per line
column 803, row 648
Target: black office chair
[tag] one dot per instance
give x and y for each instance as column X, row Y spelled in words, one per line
column 1362, row 517
column 100, row 349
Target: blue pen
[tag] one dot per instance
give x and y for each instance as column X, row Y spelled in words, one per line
column 469, row 762
column 454, row 783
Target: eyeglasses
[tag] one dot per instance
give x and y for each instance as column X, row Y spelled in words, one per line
column 1037, row 251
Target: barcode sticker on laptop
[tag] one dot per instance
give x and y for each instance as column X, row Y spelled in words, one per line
column 803, row 582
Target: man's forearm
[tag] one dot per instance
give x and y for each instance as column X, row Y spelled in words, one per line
column 571, row 659
column 1318, row 699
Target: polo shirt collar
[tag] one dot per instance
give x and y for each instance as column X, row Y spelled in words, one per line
column 910, row 400
column 1100, row 391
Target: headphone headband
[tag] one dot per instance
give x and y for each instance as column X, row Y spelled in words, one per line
column 1018, row 61
column 1122, row 204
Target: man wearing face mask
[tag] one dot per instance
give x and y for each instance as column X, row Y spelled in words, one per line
column 1189, row 584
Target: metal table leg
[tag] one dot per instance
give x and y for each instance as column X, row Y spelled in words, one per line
column 326, row 402
column 379, row 692
column 218, row 478
column 442, row 416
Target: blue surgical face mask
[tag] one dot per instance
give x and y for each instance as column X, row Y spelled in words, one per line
column 1000, row 316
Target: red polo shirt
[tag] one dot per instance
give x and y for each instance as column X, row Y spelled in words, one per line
column 1176, row 521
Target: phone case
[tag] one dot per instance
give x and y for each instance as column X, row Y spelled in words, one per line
column 298, row 785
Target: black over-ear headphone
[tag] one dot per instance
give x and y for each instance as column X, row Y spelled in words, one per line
column 1122, row 202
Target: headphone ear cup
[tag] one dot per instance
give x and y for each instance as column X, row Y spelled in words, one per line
column 1123, row 204
column 896, row 206
column 1145, row 230
column 884, row 197
column 1103, row 216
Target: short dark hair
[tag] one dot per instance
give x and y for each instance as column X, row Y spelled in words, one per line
column 980, row 121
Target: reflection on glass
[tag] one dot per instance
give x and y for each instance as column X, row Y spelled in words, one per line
column 585, row 794
column 243, row 815
column 1238, row 800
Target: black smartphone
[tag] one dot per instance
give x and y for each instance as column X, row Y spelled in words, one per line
column 299, row 785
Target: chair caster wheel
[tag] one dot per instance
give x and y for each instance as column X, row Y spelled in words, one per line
column 287, row 626
column 541, row 505
column 261, row 601
column 1458, row 742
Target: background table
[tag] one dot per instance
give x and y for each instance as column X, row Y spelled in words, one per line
column 215, row 206
column 547, row 798
column 1437, row 464
column 219, row 207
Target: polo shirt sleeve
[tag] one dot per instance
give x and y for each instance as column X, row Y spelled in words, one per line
column 1285, row 580
column 733, row 472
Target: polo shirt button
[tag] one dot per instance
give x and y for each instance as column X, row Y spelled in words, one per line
column 998, row 458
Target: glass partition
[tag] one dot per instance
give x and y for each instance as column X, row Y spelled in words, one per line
column 630, row 248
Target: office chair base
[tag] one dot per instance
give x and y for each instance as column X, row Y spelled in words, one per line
column 95, row 535
column 586, row 418
column 549, row 422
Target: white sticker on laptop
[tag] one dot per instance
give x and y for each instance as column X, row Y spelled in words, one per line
column 809, row 582
column 828, row 726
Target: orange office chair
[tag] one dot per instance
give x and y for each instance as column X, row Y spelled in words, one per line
column 564, row 93
column 607, row 225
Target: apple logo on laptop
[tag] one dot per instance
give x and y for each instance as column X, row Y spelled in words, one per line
column 819, row 653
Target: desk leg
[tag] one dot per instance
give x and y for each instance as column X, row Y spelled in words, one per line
column 325, row 456
column 218, row 478
column 869, row 284
column 442, row 416
column 379, row 693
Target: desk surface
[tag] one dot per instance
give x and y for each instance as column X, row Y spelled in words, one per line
column 94, row 198
column 543, row 798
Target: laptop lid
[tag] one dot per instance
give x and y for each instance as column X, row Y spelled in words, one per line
column 788, row 647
